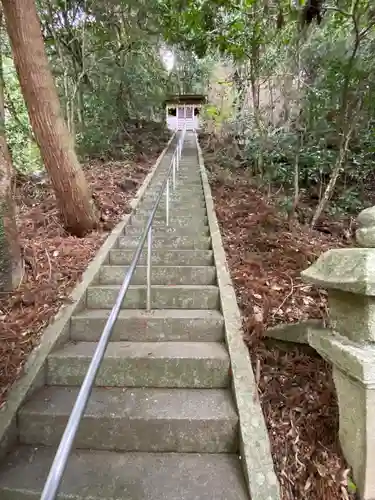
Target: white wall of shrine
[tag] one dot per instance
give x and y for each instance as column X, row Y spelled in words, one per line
column 181, row 115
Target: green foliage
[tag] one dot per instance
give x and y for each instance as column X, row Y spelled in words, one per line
column 323, row 75
column 107, row 61
column 328, row 55
column 108, row 67
column 25, row 153
column 352, row 488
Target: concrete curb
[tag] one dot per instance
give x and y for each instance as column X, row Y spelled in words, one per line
column 254, row 440
column 58, row 331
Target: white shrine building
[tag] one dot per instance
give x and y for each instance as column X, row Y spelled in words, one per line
column 184, row 111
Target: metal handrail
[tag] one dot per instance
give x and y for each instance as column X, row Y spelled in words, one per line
column 59, row 464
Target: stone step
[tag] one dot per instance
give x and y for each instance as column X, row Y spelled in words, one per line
column 189, row 169
column 162, row 297
column 160, row 325
column 193, row 204
column 160, row 231
column 141, row 220
column 185, row 211
column 137, row 419
column 173, row 222
column 160, row 275
column 192, row 200
column 198, row 207
column 143, row 364
column 186, row 173
column 185, row 180
column 160, row 256
column 106, row 475
column 181, row 183
column 177, row 197
column 181, row 190
column 174, row 217
column 192, row 242
column 179, row 208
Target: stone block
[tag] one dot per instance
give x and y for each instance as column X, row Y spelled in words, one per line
column 346, row 269
column 367, row 217
column 352, row 315
column 354, row 378
column 295, row 333
column 349, row 276
column 357, row 429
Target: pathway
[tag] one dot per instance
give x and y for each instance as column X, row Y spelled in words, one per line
column 161, row 422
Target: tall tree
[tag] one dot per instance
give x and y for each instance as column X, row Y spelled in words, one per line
column 40, row 94
column 10, row 252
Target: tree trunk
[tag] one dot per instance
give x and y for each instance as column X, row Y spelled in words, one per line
column 258, row 122
column 54, row 140
column 10, row 251
column 298, row 126
column 332, row 181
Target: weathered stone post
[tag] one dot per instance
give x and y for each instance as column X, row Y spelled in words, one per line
column 349, row 276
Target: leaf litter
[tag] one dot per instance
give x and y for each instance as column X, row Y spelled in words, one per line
column 54, row 261
column 265, row 257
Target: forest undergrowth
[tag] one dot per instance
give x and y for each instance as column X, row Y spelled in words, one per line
column 266, row 254
column 53, row 260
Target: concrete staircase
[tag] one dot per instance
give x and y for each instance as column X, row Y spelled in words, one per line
column 161, row 422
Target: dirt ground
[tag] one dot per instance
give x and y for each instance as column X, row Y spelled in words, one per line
column 297, row 393
column 53, row 260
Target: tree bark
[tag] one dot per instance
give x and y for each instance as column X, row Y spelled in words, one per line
column 334, row 176
column 50, row 130
column 10, row 251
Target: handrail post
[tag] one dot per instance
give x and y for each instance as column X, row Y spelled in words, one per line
column 148, row 278
column 167, row 204
column 174, row 173
column 181, row 142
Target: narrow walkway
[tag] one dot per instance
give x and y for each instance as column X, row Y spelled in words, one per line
column 161, row 423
